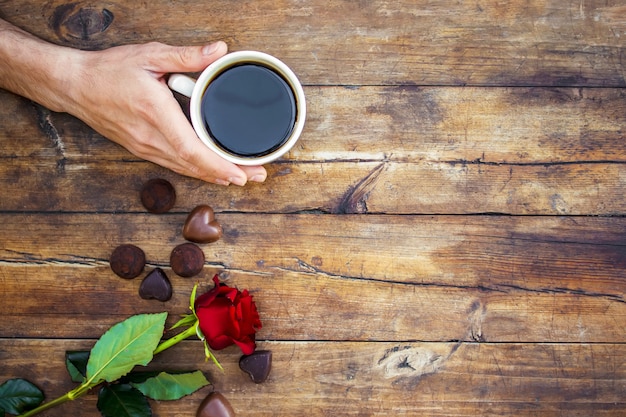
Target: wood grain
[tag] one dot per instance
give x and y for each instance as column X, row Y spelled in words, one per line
column 544, row 43
column 382, row 277
column 447, row 239
column 374, row 379
column 516, row 126
column 563, row 155
column 356, row 188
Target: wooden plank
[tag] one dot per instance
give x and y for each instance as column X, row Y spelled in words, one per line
column 29, row 130
column 389, row 277
column 441, row 278
column 518, row 126
column 564, row 154
column 376, row 379
column 356, row 187
column 549, row 42
column 534, row 252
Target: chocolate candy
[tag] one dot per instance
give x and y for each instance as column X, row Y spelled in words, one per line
column 215, row 405
column 156, row 286
column 201, row 226
column 187, row 260
column 257, row 365
column 127, row 261
column 158, row 196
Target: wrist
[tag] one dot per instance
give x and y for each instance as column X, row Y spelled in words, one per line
column 35, row 69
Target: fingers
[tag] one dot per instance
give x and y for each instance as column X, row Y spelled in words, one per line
column 201, row 162
column 208, row 166
column 189, row 156
column 198, row 160
column 255, row 173
column 152, row 126
column 166, row 58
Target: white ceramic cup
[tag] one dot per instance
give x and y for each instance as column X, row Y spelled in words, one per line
column 195, row 89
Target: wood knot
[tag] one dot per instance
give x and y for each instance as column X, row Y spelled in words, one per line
column 408, row 361
column 80, row 25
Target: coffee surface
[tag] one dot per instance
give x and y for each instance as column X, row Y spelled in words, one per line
column 249, row 110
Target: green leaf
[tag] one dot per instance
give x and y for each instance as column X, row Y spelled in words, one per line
column 188, row 320
column 1, row 412
column 172, row 386
column 18, row 395
column 192, row 300
column 124, row 346
column 122, row 400
column 76, row 364
column 138, row 377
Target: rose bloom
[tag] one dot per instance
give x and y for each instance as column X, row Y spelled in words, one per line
column 228, row 316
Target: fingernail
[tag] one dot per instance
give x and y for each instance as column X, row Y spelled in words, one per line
column 210, row 49
column 237, row 181
column 258, row 178
column 219, row 181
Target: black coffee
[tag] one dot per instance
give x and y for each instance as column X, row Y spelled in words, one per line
column 249, row 110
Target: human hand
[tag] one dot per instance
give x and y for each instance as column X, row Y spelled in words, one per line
column 122, row 93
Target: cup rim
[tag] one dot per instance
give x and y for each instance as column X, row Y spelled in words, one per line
column 251, row 57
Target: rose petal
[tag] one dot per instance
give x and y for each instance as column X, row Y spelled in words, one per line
column 208, row 297
column 244, row 311
column 228, row 316
column 247, row 346
column 216, row 320
column 220, row 342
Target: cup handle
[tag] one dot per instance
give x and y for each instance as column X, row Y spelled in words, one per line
column 181, row 84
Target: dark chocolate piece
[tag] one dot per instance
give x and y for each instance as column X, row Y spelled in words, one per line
column 215, row 405
column 158, row 196
column 156, row 286
column 187, row 260
column 257, row 365
column 201, row 226
column 127, row 261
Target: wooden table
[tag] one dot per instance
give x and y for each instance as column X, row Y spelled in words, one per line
column 448, row 237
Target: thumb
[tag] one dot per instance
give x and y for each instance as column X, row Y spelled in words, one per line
column 189, row 58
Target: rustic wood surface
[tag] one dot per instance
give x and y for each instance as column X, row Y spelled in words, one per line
column 447, row 239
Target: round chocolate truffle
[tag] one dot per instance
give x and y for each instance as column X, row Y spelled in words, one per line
column 158, row 196
column 187, row 260
column 127, row 261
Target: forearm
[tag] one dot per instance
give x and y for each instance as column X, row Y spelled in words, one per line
column 36, row 69
column 121, row 92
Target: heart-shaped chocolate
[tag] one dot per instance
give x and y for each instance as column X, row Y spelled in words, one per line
column 201, row 226
column 257, row 365
column 156, row 286
column 215, row 405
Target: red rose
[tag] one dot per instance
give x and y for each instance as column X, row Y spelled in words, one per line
column 228, row 316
